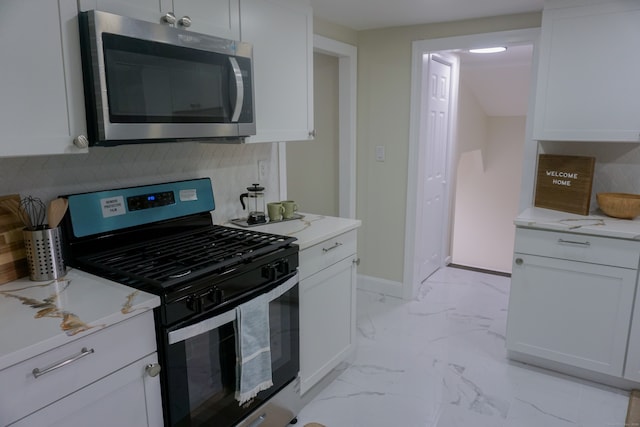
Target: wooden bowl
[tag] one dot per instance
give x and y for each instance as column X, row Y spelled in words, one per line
column 619, row 205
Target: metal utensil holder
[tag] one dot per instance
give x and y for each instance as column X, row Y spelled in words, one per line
column 44, row 254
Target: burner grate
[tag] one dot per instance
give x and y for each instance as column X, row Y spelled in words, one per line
column 168, row 260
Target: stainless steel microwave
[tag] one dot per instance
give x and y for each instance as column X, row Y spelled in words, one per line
column 147, row 82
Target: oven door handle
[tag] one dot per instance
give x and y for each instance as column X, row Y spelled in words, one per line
column 202, row 327
column 226, row 317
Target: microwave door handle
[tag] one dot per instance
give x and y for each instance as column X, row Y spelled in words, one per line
column 237, row 72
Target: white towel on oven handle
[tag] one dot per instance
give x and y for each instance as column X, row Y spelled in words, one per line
column 253, row 342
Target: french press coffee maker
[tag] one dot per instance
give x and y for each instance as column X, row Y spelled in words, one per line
column 255, row 194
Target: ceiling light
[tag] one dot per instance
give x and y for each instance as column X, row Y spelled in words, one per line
column 489, row 50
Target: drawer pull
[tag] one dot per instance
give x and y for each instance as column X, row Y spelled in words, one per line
column 337, row 245
column 84, row 352
column 573, row 242
column 519, row 261
column 152, row 369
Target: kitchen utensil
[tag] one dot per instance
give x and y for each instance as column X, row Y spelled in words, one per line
column 255, row 196
column 290, row 208
column 619, row 205
column 13, row 259
column 34, row 212
column 44, row 253
column 276, row 210
column 56, row 211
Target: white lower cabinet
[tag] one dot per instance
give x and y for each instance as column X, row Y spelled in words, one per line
column 127, row 397
column 327, row 307
column 571, row 299
column 101, row 379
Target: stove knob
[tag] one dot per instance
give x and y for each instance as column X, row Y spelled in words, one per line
column 283, row 267
column 218, row 295
column 192, row 303
column 269, row 272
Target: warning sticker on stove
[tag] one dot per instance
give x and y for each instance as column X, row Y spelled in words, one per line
column 188, row 195
column 113, row 206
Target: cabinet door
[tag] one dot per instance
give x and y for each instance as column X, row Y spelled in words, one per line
column 588, row 85
column 144, row 10
column 632, row 366
column 281, row 32
column 128, row 397
column 571, row 312
column 42, row 102
column 327, row 321
column 220, row 18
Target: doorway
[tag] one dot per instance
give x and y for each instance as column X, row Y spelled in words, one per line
column 416, row 220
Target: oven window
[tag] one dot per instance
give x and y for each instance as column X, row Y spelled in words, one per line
column 151, row 82
column 201, row 371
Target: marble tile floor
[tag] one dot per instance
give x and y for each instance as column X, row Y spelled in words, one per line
column 440, row 361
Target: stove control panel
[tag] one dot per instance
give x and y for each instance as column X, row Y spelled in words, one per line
column 152, row 200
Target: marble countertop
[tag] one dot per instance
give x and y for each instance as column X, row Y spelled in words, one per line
column 310, row 229
column 596, row 223
column 38, row 316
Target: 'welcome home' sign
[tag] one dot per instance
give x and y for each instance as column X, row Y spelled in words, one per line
column 564, row 183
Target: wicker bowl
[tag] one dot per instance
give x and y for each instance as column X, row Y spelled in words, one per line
column 619, row 205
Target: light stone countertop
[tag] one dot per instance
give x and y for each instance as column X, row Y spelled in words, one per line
column 36, row 317
column 310, row 229
column 596, row 223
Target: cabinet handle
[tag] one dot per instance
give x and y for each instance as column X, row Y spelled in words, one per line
column 519, row 261
column 312, row 133
column 336, row 245
column 168, row 18
column 84, row 352
column 153, row 369
column 185, row 21
column 573, row 242
column 356, row 261
column 81, row 141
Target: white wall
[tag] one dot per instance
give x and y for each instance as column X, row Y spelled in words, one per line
column 384, row 86
column 617, row 165
column 487, row 194
column 231, row 167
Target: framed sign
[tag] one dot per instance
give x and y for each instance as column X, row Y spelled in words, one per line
column 564, row 183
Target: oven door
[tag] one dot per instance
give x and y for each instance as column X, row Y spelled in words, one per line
column 200, row 363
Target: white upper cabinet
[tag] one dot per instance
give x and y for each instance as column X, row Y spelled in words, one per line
column 281, row 32
column 220, row 18
column 42, row 101
column 589, row 74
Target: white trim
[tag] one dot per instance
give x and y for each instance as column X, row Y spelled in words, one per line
column 282, row 170
column 347, row 83
column 419, row 49
column 380, row 286
column 347, row 100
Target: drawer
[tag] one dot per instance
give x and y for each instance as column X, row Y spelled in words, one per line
column 578, row 247
column 113, row 348
column 326, row 253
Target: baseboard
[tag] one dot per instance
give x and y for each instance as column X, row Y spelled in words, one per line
column 381, row 286
column 480, row 270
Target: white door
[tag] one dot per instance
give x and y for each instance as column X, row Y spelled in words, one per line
column 436, row 105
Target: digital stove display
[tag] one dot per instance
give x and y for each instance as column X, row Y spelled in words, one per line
column 152, row 200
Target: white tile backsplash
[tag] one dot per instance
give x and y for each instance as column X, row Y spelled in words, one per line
column 617, row 164
column 231, row 167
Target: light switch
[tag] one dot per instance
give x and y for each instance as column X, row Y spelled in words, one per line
column 380, row 153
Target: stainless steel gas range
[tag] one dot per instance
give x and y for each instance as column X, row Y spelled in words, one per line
column 213, row 282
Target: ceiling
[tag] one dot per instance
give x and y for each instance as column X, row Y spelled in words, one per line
column 500, row 81
column 372, row 14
